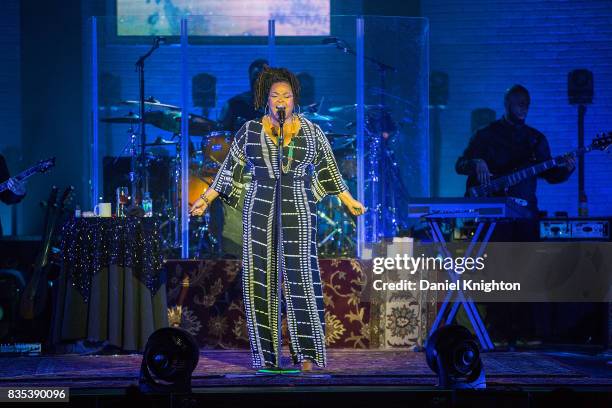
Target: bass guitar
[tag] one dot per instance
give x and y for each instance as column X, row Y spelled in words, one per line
column 601, row 142
column 41, row 167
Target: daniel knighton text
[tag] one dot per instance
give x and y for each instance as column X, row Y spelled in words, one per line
column 457, row 266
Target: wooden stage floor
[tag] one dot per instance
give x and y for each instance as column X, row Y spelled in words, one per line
column 364, row 368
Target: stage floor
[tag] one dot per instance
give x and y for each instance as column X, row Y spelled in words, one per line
column 231, row 368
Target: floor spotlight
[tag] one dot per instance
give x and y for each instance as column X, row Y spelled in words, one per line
column 452, row 353
column 170, row 356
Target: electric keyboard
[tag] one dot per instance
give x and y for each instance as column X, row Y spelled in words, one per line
column 462, row 207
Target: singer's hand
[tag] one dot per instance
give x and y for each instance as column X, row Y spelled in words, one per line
column 355, row 207
column 198, row 208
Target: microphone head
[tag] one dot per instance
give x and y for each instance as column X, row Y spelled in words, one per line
column 280, row 112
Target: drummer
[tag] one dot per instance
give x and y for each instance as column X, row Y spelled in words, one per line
column 240, row 108
column 226, row 222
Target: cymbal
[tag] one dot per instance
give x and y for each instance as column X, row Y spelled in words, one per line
column 340, row 142
column 131, row 118
column 153, row 103
column 168, row 119
column 316, row 117
column 331, row 135
column 199, row 125
column 171, row 122
column 353, row 107
column 161, row 142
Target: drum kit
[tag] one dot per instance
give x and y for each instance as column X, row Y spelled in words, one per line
column 209, row 146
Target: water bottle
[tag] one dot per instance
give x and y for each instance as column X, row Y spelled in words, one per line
column 147, row 205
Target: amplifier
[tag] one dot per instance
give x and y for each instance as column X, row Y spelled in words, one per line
column 575, row 229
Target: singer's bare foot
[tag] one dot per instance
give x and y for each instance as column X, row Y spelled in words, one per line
column 306, row 365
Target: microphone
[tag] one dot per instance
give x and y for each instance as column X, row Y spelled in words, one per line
column 280, row 113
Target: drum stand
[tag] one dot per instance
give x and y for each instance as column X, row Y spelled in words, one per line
column 339, row 233
column 393, row 190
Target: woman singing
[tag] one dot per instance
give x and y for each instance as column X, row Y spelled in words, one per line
column 309, row 172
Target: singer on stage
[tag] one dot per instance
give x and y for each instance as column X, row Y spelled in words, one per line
column 309, row 172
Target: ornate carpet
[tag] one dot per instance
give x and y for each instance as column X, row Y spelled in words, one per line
column 205, row 298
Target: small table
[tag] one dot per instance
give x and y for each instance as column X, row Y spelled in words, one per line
column 111, row 288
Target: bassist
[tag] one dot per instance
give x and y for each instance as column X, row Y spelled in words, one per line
column 498, row 149
column 509, row 144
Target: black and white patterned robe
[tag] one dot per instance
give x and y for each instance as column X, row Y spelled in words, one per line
column 312, row 175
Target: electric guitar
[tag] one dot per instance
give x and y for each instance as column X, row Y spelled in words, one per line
column 41, row 167
column 601, row 142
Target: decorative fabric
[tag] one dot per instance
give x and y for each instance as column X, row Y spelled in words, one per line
column 312, row 175
column 90, row 244
column 205, row 298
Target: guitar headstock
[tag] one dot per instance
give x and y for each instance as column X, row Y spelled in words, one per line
column 602, row 141
column 44, row 165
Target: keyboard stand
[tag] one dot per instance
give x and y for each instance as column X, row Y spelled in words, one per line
column 470, row 308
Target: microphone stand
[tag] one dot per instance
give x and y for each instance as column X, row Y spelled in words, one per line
column 278, row 369
column 140, row 67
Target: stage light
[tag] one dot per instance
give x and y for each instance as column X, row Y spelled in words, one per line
column 170, row 356
column 452, row 353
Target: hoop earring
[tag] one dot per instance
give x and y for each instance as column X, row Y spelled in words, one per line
column 267, row 110
column 299, row 112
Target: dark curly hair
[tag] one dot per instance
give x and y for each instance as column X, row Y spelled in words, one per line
column 270, row 76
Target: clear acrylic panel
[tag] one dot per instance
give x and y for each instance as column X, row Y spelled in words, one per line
column 393, row 163
column 220, row 53
column 326, row 70
column 396, row 81
column 208, row 77
column 113, row 96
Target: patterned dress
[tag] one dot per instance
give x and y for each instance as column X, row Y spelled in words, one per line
column 313, row 173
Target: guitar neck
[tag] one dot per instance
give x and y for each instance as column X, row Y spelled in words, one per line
column 24, row 175
column 516, row 177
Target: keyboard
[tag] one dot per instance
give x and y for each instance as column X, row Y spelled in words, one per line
column 463, row 207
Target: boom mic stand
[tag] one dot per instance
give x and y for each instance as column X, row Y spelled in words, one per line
column 140, row 162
